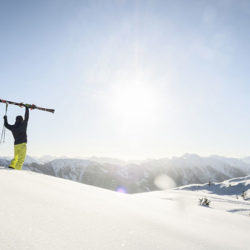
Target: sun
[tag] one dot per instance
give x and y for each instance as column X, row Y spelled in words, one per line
column 134, row 105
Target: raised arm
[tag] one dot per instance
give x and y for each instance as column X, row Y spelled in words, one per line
column 6, row 124
column 26, row 116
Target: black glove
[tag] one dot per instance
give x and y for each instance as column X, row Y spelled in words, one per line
column 33, row 106
column 5, row 117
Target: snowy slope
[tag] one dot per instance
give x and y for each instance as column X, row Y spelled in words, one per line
column 43, row 212
column 224, row 196
column 231, row 187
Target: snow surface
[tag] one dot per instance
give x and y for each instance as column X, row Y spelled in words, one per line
column 225, row 196
column 44, row 212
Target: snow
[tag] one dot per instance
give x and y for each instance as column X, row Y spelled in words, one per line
column 44, row 212
column 230, row 187
column 225, row 196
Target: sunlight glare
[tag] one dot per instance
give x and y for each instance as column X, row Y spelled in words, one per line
column 135, row 104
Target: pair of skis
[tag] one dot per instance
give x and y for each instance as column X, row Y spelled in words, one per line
column 31, row 106
column 20, row 104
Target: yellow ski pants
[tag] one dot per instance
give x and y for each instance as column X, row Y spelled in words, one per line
column 19, row 156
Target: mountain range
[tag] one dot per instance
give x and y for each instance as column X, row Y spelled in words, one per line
column 140, row 176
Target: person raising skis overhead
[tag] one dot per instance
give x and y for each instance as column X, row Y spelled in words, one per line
column 19, row 132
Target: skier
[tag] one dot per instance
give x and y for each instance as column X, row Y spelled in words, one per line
column 19, row 132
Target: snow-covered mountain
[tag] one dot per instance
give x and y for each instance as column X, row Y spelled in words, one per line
column 232, row 187
column 40, row 212
column 192, row 168
column 232, row 195
column 28, row 160
column 141, row 177
column 47, row 158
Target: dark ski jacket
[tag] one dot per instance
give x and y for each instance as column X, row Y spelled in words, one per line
column 19, row 129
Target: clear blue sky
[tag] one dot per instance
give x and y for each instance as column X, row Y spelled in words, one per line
column 128, row 79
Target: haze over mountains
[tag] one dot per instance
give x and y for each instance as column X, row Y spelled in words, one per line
column 140, row 176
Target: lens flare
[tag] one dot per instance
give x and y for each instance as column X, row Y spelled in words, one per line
column 121, row 189
column 164, row 182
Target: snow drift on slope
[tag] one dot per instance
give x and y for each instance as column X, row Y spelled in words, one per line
column 43, row 212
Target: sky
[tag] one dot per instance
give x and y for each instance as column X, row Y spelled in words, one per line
column 130, row 79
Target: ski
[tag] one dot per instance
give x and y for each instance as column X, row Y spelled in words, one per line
column 31, row 106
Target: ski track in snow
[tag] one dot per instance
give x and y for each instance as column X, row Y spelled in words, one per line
column 44, row 212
